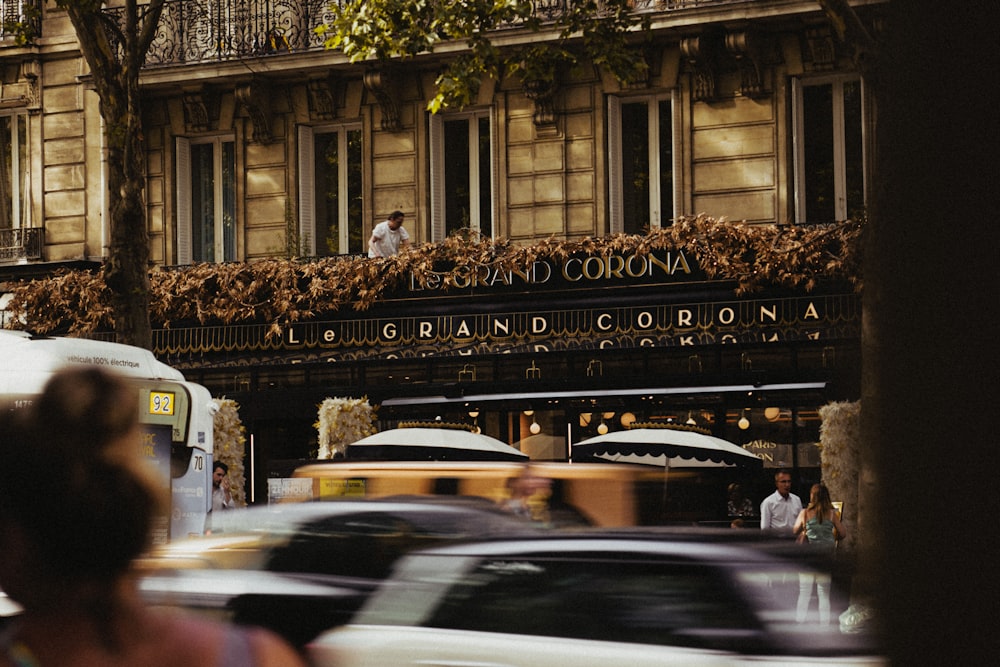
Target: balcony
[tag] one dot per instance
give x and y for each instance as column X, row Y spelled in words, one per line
column 227, row 30
column 20, row 17
column 20, row 245
column 221, row 30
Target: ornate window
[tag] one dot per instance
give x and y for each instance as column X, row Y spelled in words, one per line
column 641, row 162
column 463, row 173
column 331, row 204
column 828, row 141
column 206, row 200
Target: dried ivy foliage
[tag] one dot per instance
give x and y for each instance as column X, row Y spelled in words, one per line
column 281, row 291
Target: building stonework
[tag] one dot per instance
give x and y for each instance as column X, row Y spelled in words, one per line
column 731, row 91
column 277, row 148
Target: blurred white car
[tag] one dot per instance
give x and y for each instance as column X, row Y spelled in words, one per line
column 591, row 600
column 301, row 568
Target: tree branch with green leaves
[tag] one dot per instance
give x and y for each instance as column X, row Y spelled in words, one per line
column 603, row 32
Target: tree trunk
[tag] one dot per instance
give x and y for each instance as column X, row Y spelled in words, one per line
column 126, row 271
column 114, row 47
column 932, row 306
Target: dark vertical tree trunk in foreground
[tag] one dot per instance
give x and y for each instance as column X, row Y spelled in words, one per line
column 115, row 49
column 933, row 401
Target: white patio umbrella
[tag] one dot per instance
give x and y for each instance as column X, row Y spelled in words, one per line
column 432, row 444
column 666, row 446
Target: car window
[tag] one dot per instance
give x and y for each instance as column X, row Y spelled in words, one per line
column 672, row 603
column 358, row 545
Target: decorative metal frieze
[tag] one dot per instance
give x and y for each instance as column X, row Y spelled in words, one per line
column 381, row 83
column 566, row 325
column 255, row 97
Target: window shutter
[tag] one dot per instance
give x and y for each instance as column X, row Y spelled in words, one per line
column 436, row 140
column 798, row 151
column 307, row 188
column 183, row 160
column 495, row 174
column 615, row 212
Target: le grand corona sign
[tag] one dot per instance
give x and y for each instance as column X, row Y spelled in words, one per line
column 567, row 327
column 571, row 272
column 659, row 299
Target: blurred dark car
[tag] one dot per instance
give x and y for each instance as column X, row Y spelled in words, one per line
column 301, row 568
column 592, row 599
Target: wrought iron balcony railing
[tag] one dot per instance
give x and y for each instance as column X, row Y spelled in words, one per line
column 20, row 18
column 220, row 30
column 21, row 244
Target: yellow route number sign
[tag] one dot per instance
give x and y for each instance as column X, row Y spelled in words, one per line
column 161, row 403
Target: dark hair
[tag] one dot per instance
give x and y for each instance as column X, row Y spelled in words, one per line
column 395, row 215
column 220, row 464
column 71, row 478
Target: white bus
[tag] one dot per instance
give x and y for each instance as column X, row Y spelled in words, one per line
column 176, row 415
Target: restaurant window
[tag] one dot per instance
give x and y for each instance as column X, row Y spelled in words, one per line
column 206, row 200
column 331, row 205
column 14, row 182
column 828, row 144
column 641, row 163
column 462, row 174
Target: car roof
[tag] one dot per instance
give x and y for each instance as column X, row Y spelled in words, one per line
column 712, row 544
column 282, row 516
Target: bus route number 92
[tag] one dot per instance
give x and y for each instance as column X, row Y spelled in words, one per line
column 161, row 403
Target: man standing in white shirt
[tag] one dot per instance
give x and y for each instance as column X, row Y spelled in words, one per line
column 780, row 509
column 388, row 236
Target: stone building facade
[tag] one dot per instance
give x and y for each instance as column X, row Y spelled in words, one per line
column 261, row 144
column 723, row 125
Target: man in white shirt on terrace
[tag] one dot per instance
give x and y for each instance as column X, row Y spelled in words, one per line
column 780, row 509
column 388, row 236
